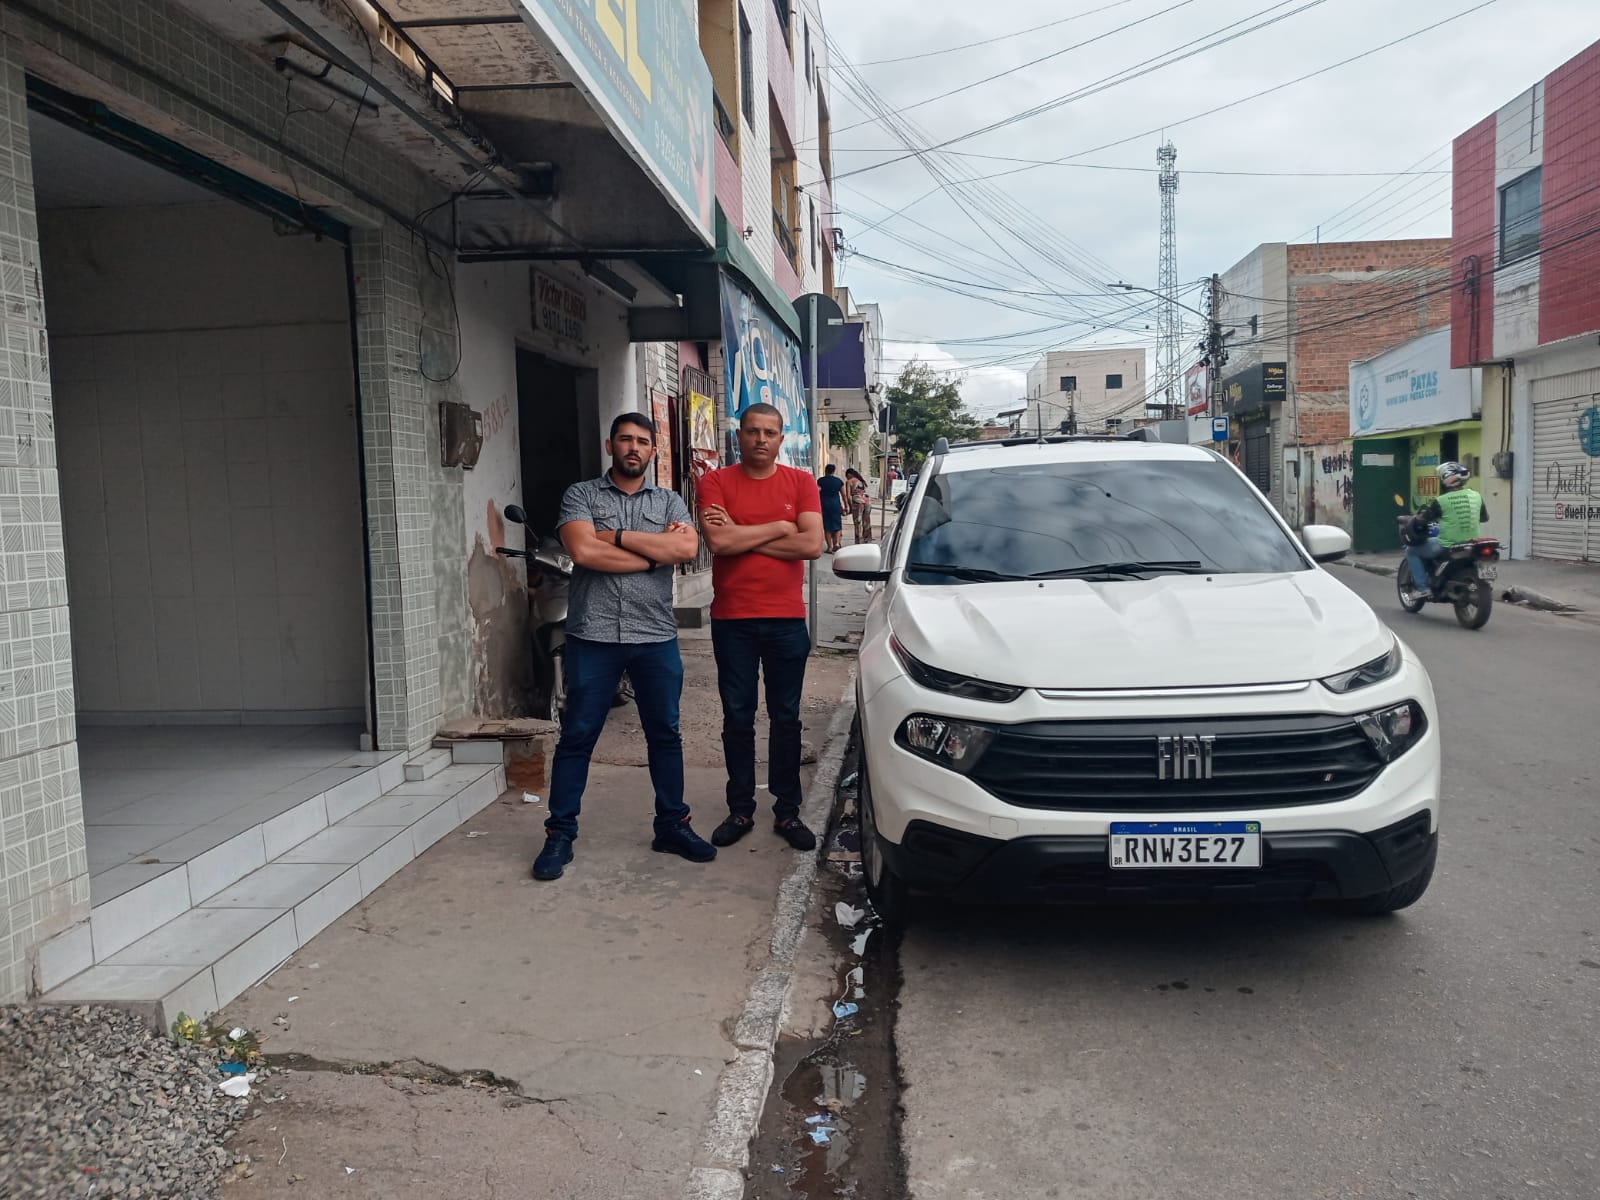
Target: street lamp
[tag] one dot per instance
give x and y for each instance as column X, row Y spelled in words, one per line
column 1214, row 345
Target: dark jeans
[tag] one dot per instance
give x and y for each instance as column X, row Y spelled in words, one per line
column 778, row 648
column 593, row 671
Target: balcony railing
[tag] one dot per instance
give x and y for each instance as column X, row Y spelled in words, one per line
column 726, row 125
column 780, row 228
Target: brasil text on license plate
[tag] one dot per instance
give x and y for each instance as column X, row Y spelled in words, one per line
column 1185, row 844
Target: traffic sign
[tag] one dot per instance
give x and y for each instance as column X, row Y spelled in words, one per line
column 1219, row 429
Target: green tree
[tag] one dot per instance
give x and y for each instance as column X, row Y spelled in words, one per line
column 844, row 434
column 928, row 407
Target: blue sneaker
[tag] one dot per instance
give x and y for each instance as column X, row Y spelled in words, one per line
column 685, row 842
column 553, row 859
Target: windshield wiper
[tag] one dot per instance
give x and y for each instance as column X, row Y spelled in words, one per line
column 1188, row 566
column 974, row 574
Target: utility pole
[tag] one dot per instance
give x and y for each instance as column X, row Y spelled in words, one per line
column 1215, row 356
column 817, row 467
column 1169, row 348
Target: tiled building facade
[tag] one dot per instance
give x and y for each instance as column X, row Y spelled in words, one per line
column 199, row 88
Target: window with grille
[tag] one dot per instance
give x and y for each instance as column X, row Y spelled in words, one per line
column 747, row 69
column 1519, row 217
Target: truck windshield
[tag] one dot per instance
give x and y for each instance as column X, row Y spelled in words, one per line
column 1122, row 519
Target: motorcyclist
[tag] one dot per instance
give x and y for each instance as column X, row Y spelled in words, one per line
column 1459, row 512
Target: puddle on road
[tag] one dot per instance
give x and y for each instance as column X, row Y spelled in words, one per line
column 831, row 1126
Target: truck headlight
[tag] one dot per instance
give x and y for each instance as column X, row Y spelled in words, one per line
column 954, row 744
column 948, row 682
column 1385, row 666
column 1393, row 731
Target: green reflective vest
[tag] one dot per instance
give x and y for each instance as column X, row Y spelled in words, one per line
column 1458, row 516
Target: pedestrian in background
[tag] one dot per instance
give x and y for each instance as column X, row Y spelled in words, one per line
column 860, row 504
column 831, row 489
column 762, row 521
column 624, row 534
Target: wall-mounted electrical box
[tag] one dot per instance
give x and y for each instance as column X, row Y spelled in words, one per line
column 460, row 435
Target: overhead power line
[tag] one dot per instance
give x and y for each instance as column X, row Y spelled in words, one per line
column 1166, row 125
column 1004, row 37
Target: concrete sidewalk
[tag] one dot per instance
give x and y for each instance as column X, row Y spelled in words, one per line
column 1537, row 583
column 469, row 1032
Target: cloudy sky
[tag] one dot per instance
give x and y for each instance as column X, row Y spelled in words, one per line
column 984, row 275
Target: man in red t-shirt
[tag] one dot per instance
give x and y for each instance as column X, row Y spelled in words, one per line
column 762, row 521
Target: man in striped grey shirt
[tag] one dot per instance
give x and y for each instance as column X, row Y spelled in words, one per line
column 625, row 535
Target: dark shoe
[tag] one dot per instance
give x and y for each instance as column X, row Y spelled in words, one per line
column 794, row 832
column 731, row 830
column 553, row 859
column 684, row 842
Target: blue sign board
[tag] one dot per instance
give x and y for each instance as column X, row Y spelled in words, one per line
column 761, row 365
column 1219, row 429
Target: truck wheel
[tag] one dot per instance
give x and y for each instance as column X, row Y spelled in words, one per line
column 890, row 896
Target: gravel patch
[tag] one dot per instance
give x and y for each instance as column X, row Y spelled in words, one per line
column 93, row 1103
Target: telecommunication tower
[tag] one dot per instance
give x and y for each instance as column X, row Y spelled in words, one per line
column 1169, row 337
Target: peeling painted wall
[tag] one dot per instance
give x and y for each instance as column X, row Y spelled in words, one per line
column 496, row 318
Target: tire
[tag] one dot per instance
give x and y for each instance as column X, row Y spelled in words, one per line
column 1396, row 898
column 555, row 708
column 1473, row 613
column 1410, row 599
column 891, row 898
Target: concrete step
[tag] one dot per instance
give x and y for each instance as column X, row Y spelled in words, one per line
column 474, row 751
column 428, row 764
column 202, row 952
column 211, row 861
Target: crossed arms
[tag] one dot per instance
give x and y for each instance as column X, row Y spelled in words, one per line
column 789, row 540
column 597, row 549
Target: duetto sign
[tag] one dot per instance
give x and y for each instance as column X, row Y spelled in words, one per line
column 1410, row 387
column 639, row 64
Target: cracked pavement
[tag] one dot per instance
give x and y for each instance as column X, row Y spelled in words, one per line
column 603, row 1001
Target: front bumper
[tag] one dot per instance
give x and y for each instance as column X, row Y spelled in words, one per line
column 1068, row 869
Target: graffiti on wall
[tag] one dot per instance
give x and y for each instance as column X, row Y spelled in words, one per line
column 1333, row 492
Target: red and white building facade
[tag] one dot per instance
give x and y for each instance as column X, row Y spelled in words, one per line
column 1526, row 301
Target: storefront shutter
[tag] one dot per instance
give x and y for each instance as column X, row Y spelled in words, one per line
column 1565, row 492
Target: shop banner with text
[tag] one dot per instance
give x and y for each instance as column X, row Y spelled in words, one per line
column 761, row 365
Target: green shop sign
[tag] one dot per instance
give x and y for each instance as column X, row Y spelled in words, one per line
column 639, row 64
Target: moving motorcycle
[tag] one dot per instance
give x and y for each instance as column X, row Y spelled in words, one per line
column 1463, row 577
column 549, row 581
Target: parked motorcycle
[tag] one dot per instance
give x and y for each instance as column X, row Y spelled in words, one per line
column 1463, row 577
column 549, row 581
column 549, row 578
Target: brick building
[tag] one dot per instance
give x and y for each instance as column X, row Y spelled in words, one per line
column 1527, row 253
column 1295, row 317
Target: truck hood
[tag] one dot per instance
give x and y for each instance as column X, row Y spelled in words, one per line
column 1169, row 631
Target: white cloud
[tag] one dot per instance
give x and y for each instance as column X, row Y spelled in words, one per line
column 1380, row 114
column 984, row 390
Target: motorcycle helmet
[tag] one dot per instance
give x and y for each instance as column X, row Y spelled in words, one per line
column 1453, row 475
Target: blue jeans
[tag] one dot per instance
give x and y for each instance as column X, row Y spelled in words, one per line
column 593, row 671
column 1422, row 559
column 778, row 648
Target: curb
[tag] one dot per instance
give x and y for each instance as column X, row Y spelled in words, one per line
column 1374, row 568
column 717, row 1170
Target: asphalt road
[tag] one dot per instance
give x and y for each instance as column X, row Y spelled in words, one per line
column 1452, row 1050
